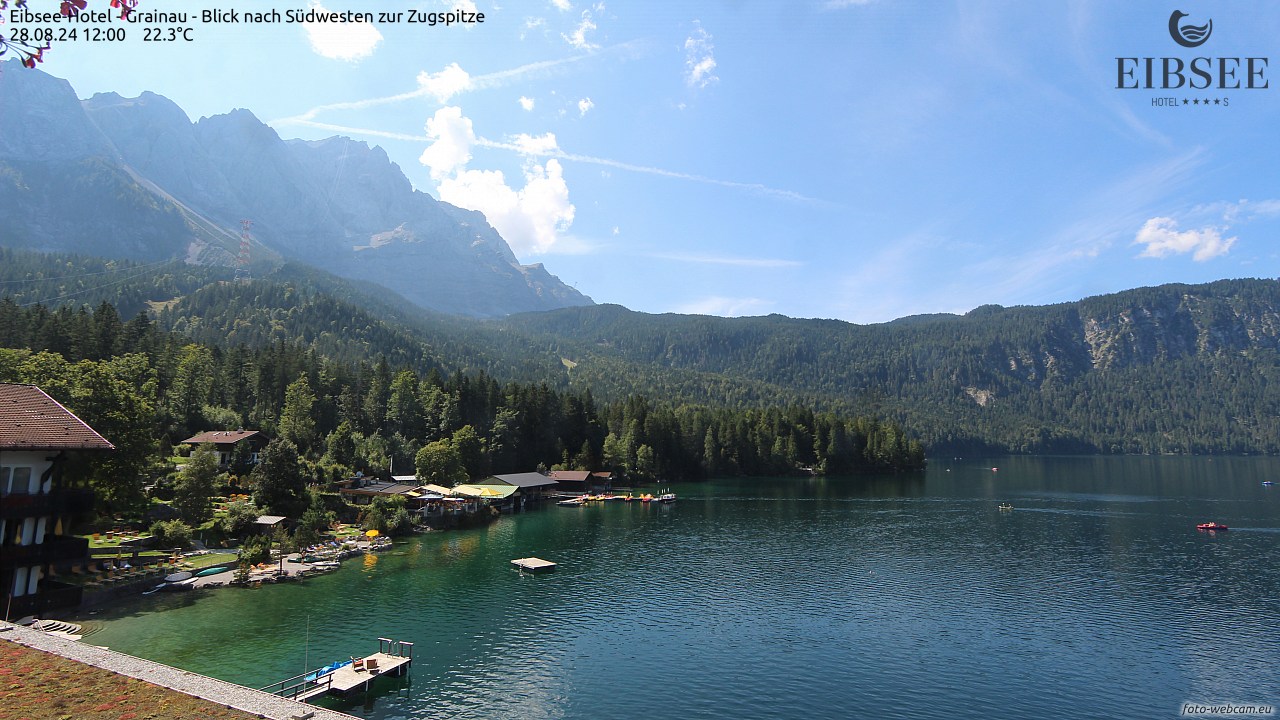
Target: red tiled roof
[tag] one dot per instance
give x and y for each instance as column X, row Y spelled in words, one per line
column 31, row 420
column 221, row 437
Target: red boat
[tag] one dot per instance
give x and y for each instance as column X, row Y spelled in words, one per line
column 1212, row 526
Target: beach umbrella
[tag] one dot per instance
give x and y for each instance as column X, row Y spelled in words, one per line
column 372, row 533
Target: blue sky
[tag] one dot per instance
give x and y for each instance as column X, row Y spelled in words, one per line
column 853, row 159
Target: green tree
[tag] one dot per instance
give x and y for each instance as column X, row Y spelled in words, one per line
column 240, row 518
column 440, row 462
column 194, row 489
column 504, row 440
column 192, row 386
column 314, row 522
column 117, row 398
column 279, row 486
column 297, row 421
column 169, row 534
column 340, row 445
column 470, row 447
column 387, row 515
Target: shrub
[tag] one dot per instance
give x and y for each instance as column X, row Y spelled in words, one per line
column 170, row 534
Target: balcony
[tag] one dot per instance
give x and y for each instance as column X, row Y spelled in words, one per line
column 54, row 549
column 58, row 502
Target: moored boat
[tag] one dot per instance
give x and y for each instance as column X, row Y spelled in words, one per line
column 572, row 502
column 1212, row 526
column 1006, row 506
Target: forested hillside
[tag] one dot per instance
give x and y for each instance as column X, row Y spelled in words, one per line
column 1170, row 369
column 146, row 388
column 1176, row 368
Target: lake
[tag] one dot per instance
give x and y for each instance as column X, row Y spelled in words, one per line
column 884, row 596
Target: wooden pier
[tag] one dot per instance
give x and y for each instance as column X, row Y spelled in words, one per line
column 394, row 657
column 533, row 564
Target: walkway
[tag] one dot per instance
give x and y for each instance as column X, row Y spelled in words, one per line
column 224, row 693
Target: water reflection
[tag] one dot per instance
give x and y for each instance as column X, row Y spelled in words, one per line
column 898, row 596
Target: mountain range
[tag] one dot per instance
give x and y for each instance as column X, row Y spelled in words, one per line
column 135, row 178
column 1168, row 369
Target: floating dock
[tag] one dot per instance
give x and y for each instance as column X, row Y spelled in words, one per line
column 533, row 564
column 394, row 657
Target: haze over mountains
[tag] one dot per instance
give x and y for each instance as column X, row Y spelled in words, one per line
column 135, row 178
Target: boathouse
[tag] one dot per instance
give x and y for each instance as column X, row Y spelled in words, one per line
column 582, row 481
column 37, row 504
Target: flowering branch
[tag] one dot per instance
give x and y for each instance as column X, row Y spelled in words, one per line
column 30, row 52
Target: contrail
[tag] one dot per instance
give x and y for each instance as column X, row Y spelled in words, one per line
column 479, row 82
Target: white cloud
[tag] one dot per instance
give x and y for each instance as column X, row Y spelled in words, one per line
column 699, row 62
column 723, row 306
column 578, row 38
column 584, row 106
column 529, row 219
column 841, row 4
column 342, row 41
column 1162, row 238
column 535, row 145
column 526, row 103
column 452, row 137
column 561, row 4
column 446, row 83
column 464, row 5
column 1246, row 210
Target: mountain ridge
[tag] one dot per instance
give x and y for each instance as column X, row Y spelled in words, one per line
column 338, row 204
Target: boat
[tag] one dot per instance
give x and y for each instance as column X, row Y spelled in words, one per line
column 212, row 571
column 326, row 565
column 572, row 502
column 1268, row 483
column 1212, row 526
column 666, row 497
column 1006, row 506
column 177, row 577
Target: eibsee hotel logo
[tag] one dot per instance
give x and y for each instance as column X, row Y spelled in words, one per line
column 1199, row 81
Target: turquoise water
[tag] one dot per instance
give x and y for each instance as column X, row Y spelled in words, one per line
column 893, row 597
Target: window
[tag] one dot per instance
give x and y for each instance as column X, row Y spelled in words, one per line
column 20, row 582
column 4, row 481
column 21, row 481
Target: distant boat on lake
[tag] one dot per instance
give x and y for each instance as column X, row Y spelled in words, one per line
column 1212, row 526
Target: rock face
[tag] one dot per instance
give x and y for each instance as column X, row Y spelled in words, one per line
column 148, row 183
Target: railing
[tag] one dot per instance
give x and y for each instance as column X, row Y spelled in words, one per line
column 387, row 646
column 301, row 685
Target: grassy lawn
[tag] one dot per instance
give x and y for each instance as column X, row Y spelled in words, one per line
column 35, row 685
column 199, row 562
column 98, row 541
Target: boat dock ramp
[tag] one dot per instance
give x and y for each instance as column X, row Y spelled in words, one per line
column 394, row 657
